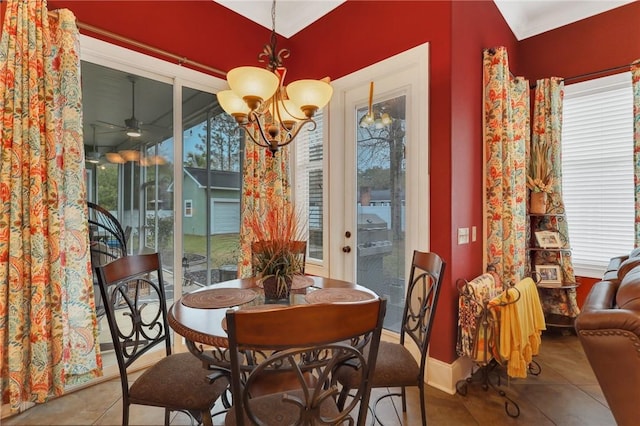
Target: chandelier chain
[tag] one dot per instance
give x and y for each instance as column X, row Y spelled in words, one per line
column 270, row 54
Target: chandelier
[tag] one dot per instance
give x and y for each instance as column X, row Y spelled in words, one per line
column 271, row 113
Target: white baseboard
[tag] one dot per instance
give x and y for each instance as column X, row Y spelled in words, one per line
column 444, row 376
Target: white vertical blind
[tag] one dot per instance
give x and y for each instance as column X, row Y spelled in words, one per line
column 597, row 171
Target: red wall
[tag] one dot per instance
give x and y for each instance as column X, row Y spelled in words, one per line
column 603, row 41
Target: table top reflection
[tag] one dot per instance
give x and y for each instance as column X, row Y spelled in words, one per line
column 199, row 316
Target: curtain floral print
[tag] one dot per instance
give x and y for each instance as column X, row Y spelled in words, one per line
column 48, row 327
column 506, row 135
column 635, row 79
column 547, row 129
column 265, row 183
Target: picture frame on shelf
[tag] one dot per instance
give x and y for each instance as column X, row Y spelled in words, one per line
column 549, row 274
column 548, row 239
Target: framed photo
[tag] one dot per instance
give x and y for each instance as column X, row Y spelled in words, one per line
column 549, row 274
column 548, row 239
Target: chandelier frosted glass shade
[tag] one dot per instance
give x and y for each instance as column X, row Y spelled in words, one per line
column 310, row 95
column 252, row 84
column 234, row 105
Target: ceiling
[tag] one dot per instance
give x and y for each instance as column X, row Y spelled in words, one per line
column 291, row 15
column 526, row 18
column 107, row 94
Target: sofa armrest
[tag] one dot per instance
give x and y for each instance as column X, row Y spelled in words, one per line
column 610, row 339
column 599, row 311
column 614, row 262
column 609, row 320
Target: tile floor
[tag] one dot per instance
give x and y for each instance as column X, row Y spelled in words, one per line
column 565, row 393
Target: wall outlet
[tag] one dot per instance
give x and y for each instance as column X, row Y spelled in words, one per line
column 463, row 235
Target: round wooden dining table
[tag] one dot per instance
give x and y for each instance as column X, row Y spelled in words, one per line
column 199, row 316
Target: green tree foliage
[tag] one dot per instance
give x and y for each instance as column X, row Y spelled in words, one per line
column 224, row 145
column 107, row 178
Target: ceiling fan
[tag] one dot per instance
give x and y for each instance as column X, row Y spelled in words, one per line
column 93, row 157
column 132, row 126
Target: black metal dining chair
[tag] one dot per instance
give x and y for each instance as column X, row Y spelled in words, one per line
column 396, row 367
column 135, row 304
column 283, row 362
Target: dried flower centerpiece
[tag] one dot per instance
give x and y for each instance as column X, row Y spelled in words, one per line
column 276, row 257
column 540, row 178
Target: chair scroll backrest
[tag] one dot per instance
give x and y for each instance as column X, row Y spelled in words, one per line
column 301, row 346
column 132, row 288
column 427, row 272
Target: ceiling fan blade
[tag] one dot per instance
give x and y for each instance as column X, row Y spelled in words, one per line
column 110, row 132
column 108, row 125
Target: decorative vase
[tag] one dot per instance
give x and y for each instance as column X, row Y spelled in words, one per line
column 538, row 203
column 272, row 291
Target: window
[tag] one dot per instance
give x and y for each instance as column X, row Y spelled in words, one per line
column 188, row 208
column 597, row 171
column 309, row 187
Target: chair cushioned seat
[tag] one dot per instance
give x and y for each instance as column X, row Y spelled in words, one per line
column 274, row 410
column 178, row 381
column 395, row 367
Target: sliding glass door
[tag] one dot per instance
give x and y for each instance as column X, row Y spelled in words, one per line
column 143, row 118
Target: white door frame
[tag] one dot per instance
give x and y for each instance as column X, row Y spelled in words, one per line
column 411, row 71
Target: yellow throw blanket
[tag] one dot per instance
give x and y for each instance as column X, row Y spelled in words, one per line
column 521, row 325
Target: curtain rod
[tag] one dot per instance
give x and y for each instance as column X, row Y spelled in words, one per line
column 181, row 60
column 590, row 74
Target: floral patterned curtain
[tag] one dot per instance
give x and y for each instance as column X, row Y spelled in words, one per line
column 265, row 182
column 48, row 326
column 506, row 135
column 547, row 130
column 635, row 79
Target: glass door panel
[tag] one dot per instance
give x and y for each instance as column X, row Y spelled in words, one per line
column 380, row 206
column 211, row 165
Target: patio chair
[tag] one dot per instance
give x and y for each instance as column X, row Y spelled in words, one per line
column 133, row 289
column 107, row 241
column 283, row 361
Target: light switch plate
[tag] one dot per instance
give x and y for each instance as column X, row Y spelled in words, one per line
column 463, row 235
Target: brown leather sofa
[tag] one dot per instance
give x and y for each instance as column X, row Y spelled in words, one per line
column 609, row 329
